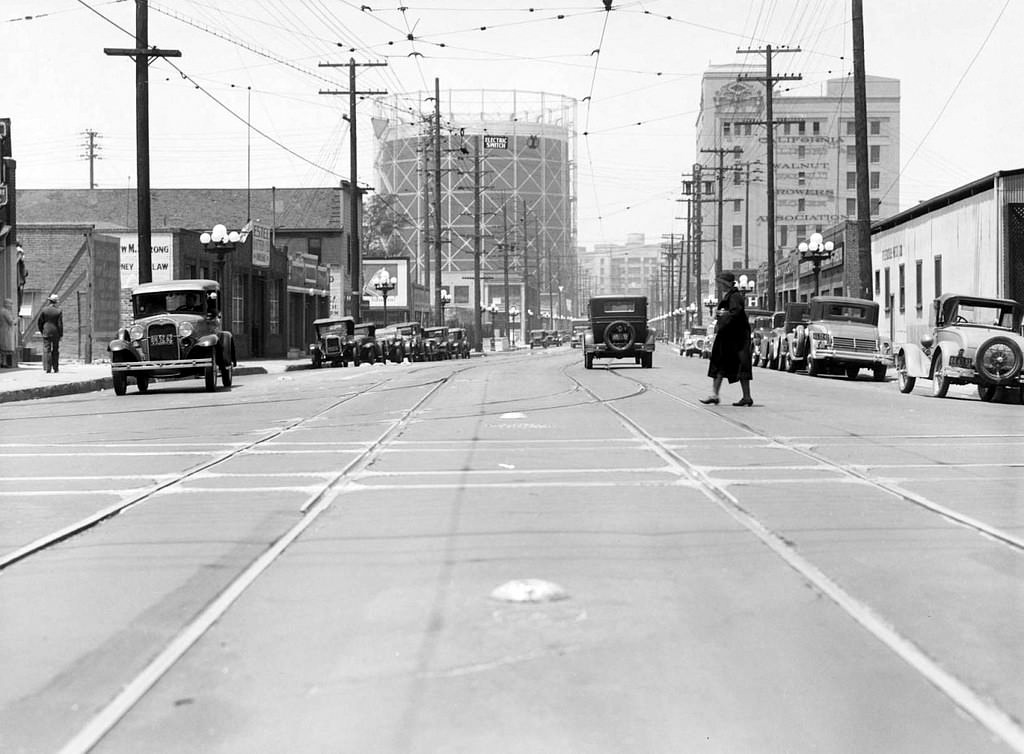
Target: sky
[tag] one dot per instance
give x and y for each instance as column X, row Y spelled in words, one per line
column 243, row 104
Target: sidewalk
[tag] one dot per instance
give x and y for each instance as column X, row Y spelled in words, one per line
column 28, row 380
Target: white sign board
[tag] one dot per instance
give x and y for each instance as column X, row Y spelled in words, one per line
column 495, row 142
column 161, row 258
column 260, row 246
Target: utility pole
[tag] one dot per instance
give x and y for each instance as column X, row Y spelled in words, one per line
column 477, row 314
column 695, row 189
column 671, row 254
column 142, row 53
column 769, row 82
column 525, row 304
column 860, row 127
column 91, row 149
column 736, row 152
column 355, row 258
column 504, row 252
column 746, row 216
column 437, row 202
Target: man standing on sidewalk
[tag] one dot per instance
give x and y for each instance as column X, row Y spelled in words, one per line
column 51, row 325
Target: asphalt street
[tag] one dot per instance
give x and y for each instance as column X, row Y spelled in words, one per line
column 512, row 554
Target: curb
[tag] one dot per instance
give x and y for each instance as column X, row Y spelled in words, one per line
column 106, row 383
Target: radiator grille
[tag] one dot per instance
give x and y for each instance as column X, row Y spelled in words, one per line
column 163, row 342
column 856, row 345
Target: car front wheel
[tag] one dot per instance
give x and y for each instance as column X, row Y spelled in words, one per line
column 987, row 392
column 142, row 383
column 904, row 380
column 120, row 381
column 940, row 382
column 210, row 378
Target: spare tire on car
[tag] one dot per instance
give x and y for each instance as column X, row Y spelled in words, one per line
column 619, row 335
column 999, row 360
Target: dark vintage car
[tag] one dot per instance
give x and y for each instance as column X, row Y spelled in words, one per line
column 435, row 341
column 458, row 341
column 411, row 334
column 579, row 326
column 367, row 349
column 766, row 352
column 791, row 345
column 335, row 342
column 760, row 325
column 973, row 340
column 176, row 332
column 619, row 330
column 539, row 339
column 391, row 345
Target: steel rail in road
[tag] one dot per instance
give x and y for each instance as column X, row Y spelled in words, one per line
column 106, row 718
column 99, row 516
column 997, row 721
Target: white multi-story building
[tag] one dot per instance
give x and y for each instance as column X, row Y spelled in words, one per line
column 815, row 163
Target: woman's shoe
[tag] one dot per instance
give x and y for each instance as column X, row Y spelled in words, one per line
column 710, row 399
column 744, row 402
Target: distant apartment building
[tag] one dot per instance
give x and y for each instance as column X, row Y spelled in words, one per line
column 815, row 162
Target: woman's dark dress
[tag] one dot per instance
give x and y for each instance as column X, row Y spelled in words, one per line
column 730, row 352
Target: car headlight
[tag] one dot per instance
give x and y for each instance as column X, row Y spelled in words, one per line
column 185, row 329
column 136, row 332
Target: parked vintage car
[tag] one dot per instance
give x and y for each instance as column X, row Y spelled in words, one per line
column 391, row 346
column 764, row 352
column 435, row 343
column 842, row 338
column 366, row 348
column 458, row 340
column 538, row 339
column 335, row 342
column 973, row 341
column 176, row 332
column 619, row 330
column 579, row 326
column 760, row 328
column 412, row 340
column 790, row 342
column 693, row 342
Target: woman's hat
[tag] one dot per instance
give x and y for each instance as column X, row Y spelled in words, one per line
column 726, row 277
column 53, row 297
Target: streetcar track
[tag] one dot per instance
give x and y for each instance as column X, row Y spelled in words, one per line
column 132, row 692
column 97, row 517
column 983, row 709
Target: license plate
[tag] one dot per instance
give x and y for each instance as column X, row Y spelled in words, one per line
column 161, row 340
column 961, row 361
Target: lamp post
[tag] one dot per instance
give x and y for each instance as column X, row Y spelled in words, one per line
column 691, row 311
column 491, row 309
column 815, row 250
column 561, row 307
column 513, row 315
column 385, row 286
column 220, row 241
column 745, row 285
column 445, row 299
column 711, row 302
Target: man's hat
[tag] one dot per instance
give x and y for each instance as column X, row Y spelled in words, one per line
column 53, row 297
column 726, row 277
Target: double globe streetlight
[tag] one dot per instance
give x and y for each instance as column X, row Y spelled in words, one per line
column 384, row 286
column 513, row 315
column 815, row 250
column 445, row 300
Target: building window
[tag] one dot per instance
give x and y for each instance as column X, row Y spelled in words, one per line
column 876, row 206
column 801, row 178
column 801, row 232
column 938, row 276
column 746, row 129
column 737, row 235
column 315, row 247
column 737, row 177
column 816, row 128
column 919, row 284
column 875, row 152
column 192, row 272
column 851, row 153
column 460, row 294
column 726, row 129
column 737, row 205
column 786, row 128
column 878, row 282
column 783, row 236
column 801, row 152
column 238, row 304
column 801, row 205
column 801, row 128
column 903, row 288
column 887, row 304
column 274, row 308
column 851, row 207
column 851, row 180
column 876, row 127
column 851, row 128
column 876, row 180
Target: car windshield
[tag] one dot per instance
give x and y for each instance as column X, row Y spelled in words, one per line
column 986, row 315
column 332, row 328
column 408, row 331
column 169, row 302
column 619, row 307
column 849, row 313
column 762, row 323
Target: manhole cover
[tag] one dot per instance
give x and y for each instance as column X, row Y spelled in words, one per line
column 529, row 590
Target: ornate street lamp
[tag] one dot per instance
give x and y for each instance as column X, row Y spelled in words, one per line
column 513, row 315
column 691, row 311
column 815, row 250
column 711, row 303
column 220, row 241
column 445, row 299
column 385, row 285
column 491, row 309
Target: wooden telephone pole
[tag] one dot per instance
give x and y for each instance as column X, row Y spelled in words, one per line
column 142, row 53
column 355, row 258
